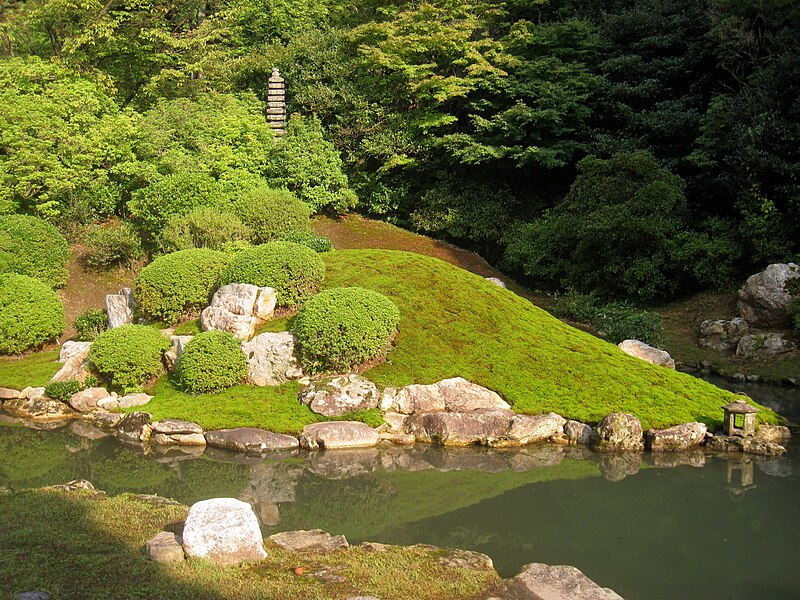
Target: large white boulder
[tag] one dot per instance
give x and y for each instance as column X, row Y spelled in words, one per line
column 223, row 530
column 340, row 395
column 452, row 395
column 271, row 359
column 75, row 356
column 765, row 297
column 120, row 307
column 239, row 308
column 647, row 353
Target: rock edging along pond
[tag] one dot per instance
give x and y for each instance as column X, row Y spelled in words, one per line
column 452, row 412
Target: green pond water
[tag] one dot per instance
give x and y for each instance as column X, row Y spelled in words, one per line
column 683, row 526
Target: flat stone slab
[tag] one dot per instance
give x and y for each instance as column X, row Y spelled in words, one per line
column 677, row 438
column 485, row 427
column 557, row 582
column 164, row 548
column 8, row 394
column 250, row 439
column 340, row 395
column 86, row 400
column 176, row 426
column 178, row 439
column 132, row 400
column 39, row 408
column 313, row 540
column 338, row 434
column 32, row 596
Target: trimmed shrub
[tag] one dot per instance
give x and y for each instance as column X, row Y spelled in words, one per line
column 318, row 243
column 63, row 390
column 88, row 325
column 269, row 213
column 112, row 244
column 178, row 284
column 129, row 356
column 293, row 270
column 30, row 313
column 33, row 247
column 175, row 194
column 204, row 227
column 343, row 327
column 211, row 361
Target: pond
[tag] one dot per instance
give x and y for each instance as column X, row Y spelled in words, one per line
column 650, row 527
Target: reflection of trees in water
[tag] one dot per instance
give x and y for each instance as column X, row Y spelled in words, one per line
column 34, row 458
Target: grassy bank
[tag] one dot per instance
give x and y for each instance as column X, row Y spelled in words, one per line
column 29, row 370
column 99, row 554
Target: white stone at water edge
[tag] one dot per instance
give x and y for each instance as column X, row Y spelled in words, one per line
column 223, row 530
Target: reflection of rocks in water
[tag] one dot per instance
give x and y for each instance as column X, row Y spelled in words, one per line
column 240, row 458
column 668, row 460
column 617, row 466
column 175, row 454
column 536, row 457
column 466, row 459
column 776, row 468
column 87, row 430
column 268, row 513
column 343, row 464
column 272, row 482
column 577, row 453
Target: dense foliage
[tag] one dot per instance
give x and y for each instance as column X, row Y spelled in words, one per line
column 30, row 246
column 110, row 244
column 63, row 390
column 294, row 271
column 211, row 361
column 129, row 356
column 343, row 327
column 204, row 227
column 318, row 243
column 30, row 313
column 91, row 323
column 269, row 213
column 468, row 119
column 178, row 284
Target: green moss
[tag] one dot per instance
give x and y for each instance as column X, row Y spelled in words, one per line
column 454, row 323
column 32, row 370
column 189, row 328
column 273, row 408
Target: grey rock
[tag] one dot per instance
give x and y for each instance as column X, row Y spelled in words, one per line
column 552, row 582
column 178, row 439
column 647, row 353
column 271, row 359
column 341, row 395
column 32, row 596
column 314, row 540
column 765, row 345
column 455, row 558
column 395, row 421
column 578, row 433
column 239, row 308
column 462, row 428
column 164, row 548
column 105, row 420
column 532, row 429
column 497, row 281
column 176, row 426
column 75, row 356
column 133, row 400
column 338, row 434
column 676, row 439
column 773, row 433
column 764, row 299
column 402, row 439
column 453, row 395
column 86, row 400
column 109, row 403
column 177, row 346
column 722, row 335
column 8, row 394
column 734, row 443
column 618, row 431
column 120, row 308
column 32, row 393
column 387, row 399
column 248, row 439
column 223, row 530
column 135, row 427
column 39, row 408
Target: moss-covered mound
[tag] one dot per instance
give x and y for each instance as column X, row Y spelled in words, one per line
column 454, row 323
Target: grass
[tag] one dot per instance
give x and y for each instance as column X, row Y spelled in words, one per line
column 32, row 370
column 189, row 328
column 455, row 323
column 98, row 554
column 276, row 409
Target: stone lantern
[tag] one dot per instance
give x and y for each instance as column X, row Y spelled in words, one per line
column 747, row 419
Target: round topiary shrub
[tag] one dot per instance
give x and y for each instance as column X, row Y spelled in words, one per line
column 295, row 271
column 269, row 213
column 33, row 247
column 31, row 313
column 129, row 356
column 178, row 284
column 211, row 361
column 115, row 243
column 204, row 227
column 343, row 327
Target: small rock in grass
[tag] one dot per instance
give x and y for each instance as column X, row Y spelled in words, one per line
column 32, row 596
column 164, row 548
column 223, row 530
column 314, row 540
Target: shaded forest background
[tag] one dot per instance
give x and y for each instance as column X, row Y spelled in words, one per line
column 639, row 150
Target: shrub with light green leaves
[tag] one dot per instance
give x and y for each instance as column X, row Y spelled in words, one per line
column 178, row 284
column 31, row 313
column 91, row 323
column 33, row 247
column 129, row 356
column 63, row 390
column 112, row 244
column 318, row 243
column 269, row 213
column 204, row 227
column 343, row 327
column 211, row 361
column 295, row 271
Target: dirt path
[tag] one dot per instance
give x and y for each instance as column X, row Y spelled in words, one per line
column 356, row 232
